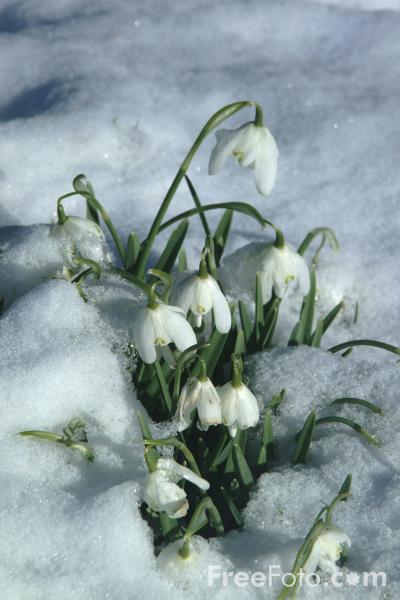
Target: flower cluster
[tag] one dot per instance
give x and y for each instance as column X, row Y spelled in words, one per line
column 188, row 352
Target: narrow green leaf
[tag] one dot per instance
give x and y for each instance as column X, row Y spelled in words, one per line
column 276, row 400
column 169, row 527
column 305, row 439
column 240, row 344
column 346, row 487
column 237, row 517
column 315, row 339
column 164, row 388
column 328, row 236
column 373, row 343
column 216, row 451
column 242, row 207
column 198, row 204
column 259, row 312
column 244, row 473
column 360, row 402
column 224, row 454
column 221, row 235
column 245, row 320
column 171, row 250
column 346, row 352
column 132, row 251
column 372, row 439
column 146, row 433
column 302, row 329
column 267, row 434
column 182, row 261
column 331, row 316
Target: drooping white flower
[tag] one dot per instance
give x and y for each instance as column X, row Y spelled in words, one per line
column 279, row 267
column 254, row 146
column 161, row 492
column 327, row 550
column 200, row 294
column 83, row 236
column 202, row 396
column 239, row 407
column 156, row 327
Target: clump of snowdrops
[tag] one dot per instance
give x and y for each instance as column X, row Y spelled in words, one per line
column 190, row 344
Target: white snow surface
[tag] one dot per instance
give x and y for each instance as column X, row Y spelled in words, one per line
column 118, row 91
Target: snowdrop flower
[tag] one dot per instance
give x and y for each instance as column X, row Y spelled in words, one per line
column 200, row 293
column 239, row 406
column 199, row 394
column 281, row 264
column 82, row 236
column 253, row 146
column 161, row 492
column 327, row 550
column 157, row 325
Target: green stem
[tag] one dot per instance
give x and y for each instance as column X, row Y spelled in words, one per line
column 96, row 204
column 220, row 116
column 180, row 446
column 374, row 343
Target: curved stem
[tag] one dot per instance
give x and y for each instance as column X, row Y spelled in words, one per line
column 374, row 343
column 104, row 215
column 242, row 207
column 220, row 116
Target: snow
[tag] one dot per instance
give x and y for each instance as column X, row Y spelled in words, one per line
column 119, row 92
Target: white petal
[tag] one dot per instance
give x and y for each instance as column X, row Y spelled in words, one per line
column 179, row 330
column 303, row 275
column 247, row 410
column 143, row 336
column 182, row 472
column 163, row 495
column 222, row 312
column 266, row 166
column 202, row 300
column 78, row 226
column 228, row 399
column 209, row 405
column 186, row 291
column 187, row 403
column 160, row 318
column 247, row 149
column 226, row 142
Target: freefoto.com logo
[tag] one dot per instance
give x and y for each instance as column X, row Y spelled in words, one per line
column 218, row 577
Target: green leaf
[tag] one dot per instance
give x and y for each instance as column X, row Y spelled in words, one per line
column 276, row 400
column 164, row 388
column 376, row 409
column 242, row 207
column 237, row 517
column 315, row 339
column 328, row 235
column 132, row 251
column 171, row 250
column 372, row 439
column 259, row 313
column 304, row 440
column 240, row 344
column 267, row 434
column 346, row 487
column 302, row 329
column 146, row 433
column 245, row 320
column 92, row 264
column 182, row 261
column 242, row 468
column 221, row 235
column 169, row 527
column 217, row 449
column 373, row 343
column 331, row 316
column 198, row 204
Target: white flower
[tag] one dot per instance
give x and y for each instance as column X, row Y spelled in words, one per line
column 161, row 492
column 155, row 328
column 201, row 294
column 254, row 147
column 239, row 407
column 280, row 266
column 203, row 396
column 82, row 235
column 327, row 550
